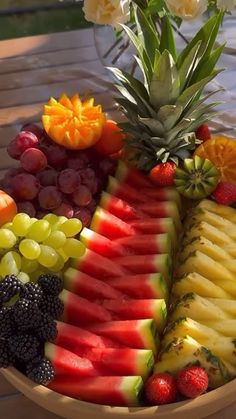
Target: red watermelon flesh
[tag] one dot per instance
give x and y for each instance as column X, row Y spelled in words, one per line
column 141, row 285
column 112, row 390
column 81, row 312
column 119, row 207
column 124, row 191
column 162, row 209
column 66, row 362
column 101, row 244
column 132, row 309
column 98, row 266
column 109, row 225
column 140, row 334
column 162, row 194
column 155, row 226
column 146, row 243
column 74, row 338
column 119, row 361
column 131, row 176
column 88, row 287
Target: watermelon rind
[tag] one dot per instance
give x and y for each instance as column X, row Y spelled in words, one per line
column 131, row 389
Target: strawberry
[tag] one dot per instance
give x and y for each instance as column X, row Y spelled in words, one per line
column 203, row 132
column 160, row 389
column 225, row 193
column 163, row 174
column 192, row 381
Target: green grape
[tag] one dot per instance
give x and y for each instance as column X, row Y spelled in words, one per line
column 63, row 255
column 7, row 225
column 71, row 227
column 74, row 248
column 28, row 266
column 56, row 239
column 10, row 263
column 30, row 249
column 59, row 265
column 48, row 256
column 39, row 230
column 60, row 220
column 23, row 277
column 51, row 218
column 20, row 224
column 7, row 238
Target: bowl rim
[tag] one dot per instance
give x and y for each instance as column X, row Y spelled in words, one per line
column 206, row 404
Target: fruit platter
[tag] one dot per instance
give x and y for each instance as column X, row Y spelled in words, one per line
column 118, row 245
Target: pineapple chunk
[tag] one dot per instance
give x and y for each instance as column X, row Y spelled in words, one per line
column 210, row 232
column 230, row 248
column 226, row 326
column 198, row 308
column 222, row 346
column 215, row 220
column 230, row 264
column 205, row 246
column 194, row 282
column 186, row 351
column 222, row 210
column 207, row 267
column 229, row 306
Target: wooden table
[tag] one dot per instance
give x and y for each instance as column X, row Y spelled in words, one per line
column 31, row 70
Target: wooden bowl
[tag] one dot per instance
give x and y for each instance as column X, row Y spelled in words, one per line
column 69, row 408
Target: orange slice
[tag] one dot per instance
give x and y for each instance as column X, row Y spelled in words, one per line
column 221, row 151
column 73, row 123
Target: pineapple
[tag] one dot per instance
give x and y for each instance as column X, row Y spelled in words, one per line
column 210, row 232
column 207, row 267
column 194, row 282
column 181, row 352
column 213, row 219
column 222, row 210
column 226, row 327
column 205, row 246
column 198, row 308
column 165, row 108
column 229, row 306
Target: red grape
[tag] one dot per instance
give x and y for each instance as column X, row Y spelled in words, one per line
column 49, row 198
column 56, row 155
column 107, row 166
column 65, row 209
column 82, row 196
column 41, row 214
column 77, row 161
column 33, row 160
column 25, row 186
column 87, row 176
column 92, row 206
column 22, row 142
column 35, row 129
column 26, row 207
column 84, row 215
column 68, row 181
column 47, row 177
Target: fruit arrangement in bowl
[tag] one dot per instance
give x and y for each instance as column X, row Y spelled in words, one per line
column 117, row 245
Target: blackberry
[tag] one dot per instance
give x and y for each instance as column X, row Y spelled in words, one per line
column 24, row 346
column 51, row 284
column 6, row 357
column 9, row 287
column 26, row 314
column 41, row 372
column 6, row 322
column 47, row 329
column 52, row 306
column 32, row 292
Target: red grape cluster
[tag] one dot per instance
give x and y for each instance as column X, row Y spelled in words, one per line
column 51, row 178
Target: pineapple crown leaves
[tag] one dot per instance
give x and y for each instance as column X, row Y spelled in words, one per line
column 165, row 109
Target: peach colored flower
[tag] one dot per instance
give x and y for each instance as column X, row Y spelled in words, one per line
column 107, row 12
column 187, row 9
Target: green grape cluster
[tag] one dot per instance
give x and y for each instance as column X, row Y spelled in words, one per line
column 29, row 246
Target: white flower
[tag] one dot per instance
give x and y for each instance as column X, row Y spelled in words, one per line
column 187, row 9
column 226, row 4
column 108, row 12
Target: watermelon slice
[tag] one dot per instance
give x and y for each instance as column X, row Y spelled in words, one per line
column 98, row 266
column 162, row 194
column 109, row 225
column 131, row 176
column 112, row 391
column 124, row 191
column 128, row 309
column 81, row 312
column 141, row 285
column 155, row 226
column 145, row 264
column 119, row 207
column 88, row 287
column 68, row 363
column 161, row 210
column 146, row 243
column 141, row 334
column 101, row 244
column 119, row 361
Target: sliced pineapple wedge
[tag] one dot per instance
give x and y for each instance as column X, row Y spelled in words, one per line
column 194, row 282
column 229, row 306
column 213, row 219
column 210, row 232
column 187, row 351
column 205, row 246
column 223, row 210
